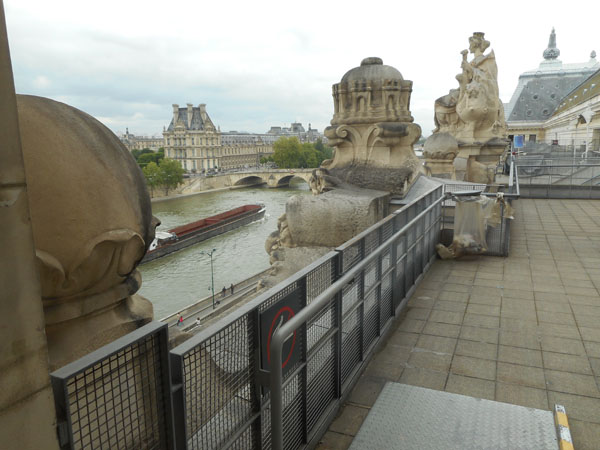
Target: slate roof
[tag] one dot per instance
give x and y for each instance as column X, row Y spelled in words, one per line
column 537, row 97
column 589, row 88
column 540, row 92
column 197, row 122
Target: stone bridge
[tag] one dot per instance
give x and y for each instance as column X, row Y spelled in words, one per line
column 271, row 177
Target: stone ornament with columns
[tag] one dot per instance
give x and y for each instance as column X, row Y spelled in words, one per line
column 470, row 132
column 373, row 133
column 372, row 129
column 92, row 223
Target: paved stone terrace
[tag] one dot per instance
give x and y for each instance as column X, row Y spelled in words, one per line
column 523, row 329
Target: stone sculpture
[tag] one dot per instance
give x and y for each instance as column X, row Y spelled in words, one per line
column 373, row 133
column 470, row 125
column 92, row 223
column 372, row 129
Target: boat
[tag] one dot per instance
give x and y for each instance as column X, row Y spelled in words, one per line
column 166, row 242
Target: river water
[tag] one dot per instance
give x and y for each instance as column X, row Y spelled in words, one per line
column 182, row 278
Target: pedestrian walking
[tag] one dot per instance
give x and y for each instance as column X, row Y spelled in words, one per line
column 197, row 321
column 223, row 291
column 231, row 288
column 180, row 320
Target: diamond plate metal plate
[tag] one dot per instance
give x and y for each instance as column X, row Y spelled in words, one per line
column 409, row 417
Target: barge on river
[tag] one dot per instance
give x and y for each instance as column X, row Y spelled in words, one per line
column 201, row 230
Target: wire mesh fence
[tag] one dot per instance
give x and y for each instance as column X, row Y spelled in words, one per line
column 361, row 304
column 214, row 391
column 562, row 176
column 117, row 397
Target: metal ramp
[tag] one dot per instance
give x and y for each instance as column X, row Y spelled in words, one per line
column 409, row 417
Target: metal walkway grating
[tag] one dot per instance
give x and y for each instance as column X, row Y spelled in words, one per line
column 409, row 417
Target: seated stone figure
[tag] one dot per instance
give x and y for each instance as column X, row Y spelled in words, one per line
column 470, row 127
column 478, row 105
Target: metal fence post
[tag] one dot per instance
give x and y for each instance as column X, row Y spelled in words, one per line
column 178, row 401
column 338, row 311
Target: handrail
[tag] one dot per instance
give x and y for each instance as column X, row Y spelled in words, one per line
column 280, row 335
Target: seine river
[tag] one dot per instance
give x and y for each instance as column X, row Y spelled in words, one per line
column 182, row 278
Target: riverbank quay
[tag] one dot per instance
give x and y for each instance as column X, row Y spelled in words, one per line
column 203, row 309
column 208, row 191
column 524, row 329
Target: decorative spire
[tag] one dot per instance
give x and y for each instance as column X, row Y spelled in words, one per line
column 551, row 52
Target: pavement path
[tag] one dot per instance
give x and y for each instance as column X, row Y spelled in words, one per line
column 524, row 329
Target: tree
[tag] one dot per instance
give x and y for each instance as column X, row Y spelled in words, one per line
column 152, row 173
column 288, row 153
column 309, row 156
column 146, row 158
column 324, row 151
column 137, row 153
column 171, row 174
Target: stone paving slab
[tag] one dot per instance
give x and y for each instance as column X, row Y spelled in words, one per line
column 523, row 329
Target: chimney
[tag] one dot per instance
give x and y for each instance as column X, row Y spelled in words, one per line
column 190, row 112
column 202, row 107
column 175, row 114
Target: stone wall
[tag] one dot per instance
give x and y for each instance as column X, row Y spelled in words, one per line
column 27, row 418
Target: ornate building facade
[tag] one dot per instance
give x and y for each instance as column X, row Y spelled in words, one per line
column 192, row 139
column 133, row 142
column 539, row 107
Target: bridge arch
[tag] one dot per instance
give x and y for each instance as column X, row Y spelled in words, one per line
column 286, row 179
column 250, row 180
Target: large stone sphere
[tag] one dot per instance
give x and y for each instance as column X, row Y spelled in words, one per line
column 90, row 209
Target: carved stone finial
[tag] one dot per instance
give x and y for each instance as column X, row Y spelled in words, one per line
column 92, row 224
column 552, row 52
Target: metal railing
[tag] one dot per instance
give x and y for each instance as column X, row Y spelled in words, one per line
column 117, row 396
column 229, row 385
column 568, row 147
column 350, row 317
column 559, row 177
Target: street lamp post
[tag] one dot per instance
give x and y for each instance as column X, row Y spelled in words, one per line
column 212, row 276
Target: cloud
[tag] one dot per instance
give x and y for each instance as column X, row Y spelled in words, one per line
column 269, row 63
column 41, row 82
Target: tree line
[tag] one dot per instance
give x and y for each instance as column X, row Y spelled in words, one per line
column 290, row 153
column 160, row 172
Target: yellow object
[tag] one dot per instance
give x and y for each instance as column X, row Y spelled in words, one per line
column 565, row 442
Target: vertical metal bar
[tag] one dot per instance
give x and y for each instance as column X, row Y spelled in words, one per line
column 178, row 399
column 338, row 324
column 256, row 395
column 501, row 246
column 276, row 379
column 378, row 273
column 394, row 274
column 163, row 341
column 304, row 375
column 63, row 414
column 361, row 313
column 571, row 180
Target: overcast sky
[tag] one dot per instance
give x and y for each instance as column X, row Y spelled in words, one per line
column 262, row 63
